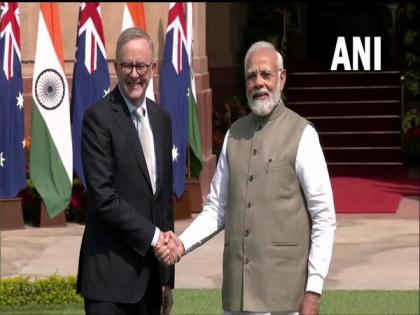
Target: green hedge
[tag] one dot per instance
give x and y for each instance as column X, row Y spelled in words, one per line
column 51, row 290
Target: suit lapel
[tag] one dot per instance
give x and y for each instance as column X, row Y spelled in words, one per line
column 125, row 122
column 157, row 136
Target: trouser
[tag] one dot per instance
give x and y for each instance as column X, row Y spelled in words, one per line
column 94, row 307
column 150, row 304
column 252, row 313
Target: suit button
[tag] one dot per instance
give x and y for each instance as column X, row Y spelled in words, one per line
column 251, row 178
column 254, row 151
column 248, row 205
column 246, row 261
column 246, row 233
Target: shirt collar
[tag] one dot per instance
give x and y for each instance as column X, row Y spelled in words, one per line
column 131, row 106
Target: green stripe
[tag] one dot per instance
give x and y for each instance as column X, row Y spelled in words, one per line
column 46, row 168
column 194, row 137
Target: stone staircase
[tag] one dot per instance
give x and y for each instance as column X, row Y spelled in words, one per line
column 357, row 116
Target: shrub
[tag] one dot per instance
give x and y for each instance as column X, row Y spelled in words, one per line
column 411, row 136
column 54, row 289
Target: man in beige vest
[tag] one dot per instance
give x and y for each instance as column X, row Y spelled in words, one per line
column 272, row 195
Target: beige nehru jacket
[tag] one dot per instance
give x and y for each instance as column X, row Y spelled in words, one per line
column 267, row 224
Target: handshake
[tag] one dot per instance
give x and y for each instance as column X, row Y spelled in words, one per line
column 169, row 248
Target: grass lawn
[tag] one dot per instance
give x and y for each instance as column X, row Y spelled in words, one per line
column 208, row 301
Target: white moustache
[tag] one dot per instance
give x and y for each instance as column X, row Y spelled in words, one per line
column 259, row 92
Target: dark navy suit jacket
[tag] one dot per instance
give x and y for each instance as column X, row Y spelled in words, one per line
column 116, row 259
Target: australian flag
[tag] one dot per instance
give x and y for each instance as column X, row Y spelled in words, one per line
column 90, row 75
column 12, row 136
column 174, row 84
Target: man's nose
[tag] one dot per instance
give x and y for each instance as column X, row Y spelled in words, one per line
column 134, row 74
column 259, row 81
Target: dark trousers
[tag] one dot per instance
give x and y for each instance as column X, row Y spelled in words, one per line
column 150, row 304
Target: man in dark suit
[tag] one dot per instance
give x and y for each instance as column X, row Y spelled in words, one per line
column 126, row 153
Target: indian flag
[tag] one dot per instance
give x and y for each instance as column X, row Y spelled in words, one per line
column 134, row 16
column 51, row 156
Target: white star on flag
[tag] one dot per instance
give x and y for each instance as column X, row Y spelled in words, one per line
column 2, row 159
column 175, row 153
column 23, row 143
column 19, row 99
column 107, row 91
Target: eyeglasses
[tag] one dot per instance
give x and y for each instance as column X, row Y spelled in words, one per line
column 141, row 68
column 266, row 75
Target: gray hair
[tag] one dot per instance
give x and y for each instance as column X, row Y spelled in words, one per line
column 130, row 34
column 264, row 45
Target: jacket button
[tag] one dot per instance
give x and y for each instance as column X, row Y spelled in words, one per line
column 248, row 205
column 246, row 261
column 251, row 178
column 254, row 151
column 246, row 232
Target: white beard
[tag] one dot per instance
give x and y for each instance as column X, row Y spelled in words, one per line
column 263, row 108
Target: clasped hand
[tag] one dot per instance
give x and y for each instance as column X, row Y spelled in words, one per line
column 169, row 248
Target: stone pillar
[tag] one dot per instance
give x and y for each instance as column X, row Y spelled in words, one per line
column 204, row 97
column 11, row 216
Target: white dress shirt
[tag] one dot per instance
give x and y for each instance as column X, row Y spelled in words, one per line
column 312, row 172
column 132, row 108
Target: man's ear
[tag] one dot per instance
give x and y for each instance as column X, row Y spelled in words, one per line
column 153, row 68
column 282, row 78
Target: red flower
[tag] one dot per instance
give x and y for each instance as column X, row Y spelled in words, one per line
column 75, row 202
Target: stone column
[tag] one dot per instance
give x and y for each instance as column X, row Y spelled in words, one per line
column 204, row 96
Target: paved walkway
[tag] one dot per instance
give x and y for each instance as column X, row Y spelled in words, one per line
column 371, row 251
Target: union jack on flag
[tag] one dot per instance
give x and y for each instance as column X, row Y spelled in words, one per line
column 174, row 84
column 12, row 154
column 90, row 75
column 177, row 23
